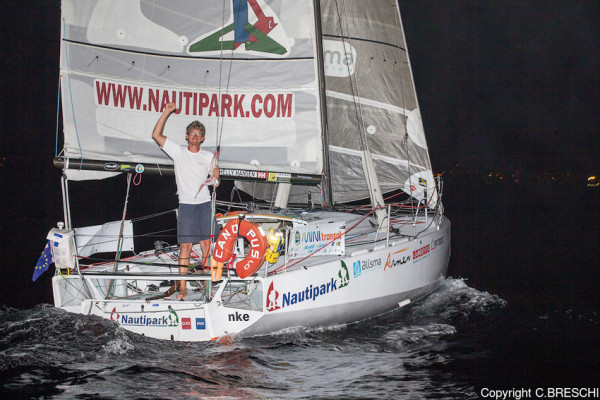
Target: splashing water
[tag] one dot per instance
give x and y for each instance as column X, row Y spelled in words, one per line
column 49, row 353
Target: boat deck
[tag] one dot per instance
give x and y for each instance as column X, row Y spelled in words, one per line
column 160, row 269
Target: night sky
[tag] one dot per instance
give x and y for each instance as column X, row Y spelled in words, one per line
column 503, row 86
column 508, row 84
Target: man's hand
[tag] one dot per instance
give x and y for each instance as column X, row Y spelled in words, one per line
column 157, row 133
column 214, row 181
column 169, row 108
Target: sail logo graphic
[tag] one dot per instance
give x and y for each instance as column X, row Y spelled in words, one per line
column 252, row 28
column 338, row 58
column 310, row 292
column 172, row 320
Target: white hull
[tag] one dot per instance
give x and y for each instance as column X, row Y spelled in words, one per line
column 317, row 294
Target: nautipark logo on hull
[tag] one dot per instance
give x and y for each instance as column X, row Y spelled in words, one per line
column 171, row 320
column 252, row 27
column 276, row 301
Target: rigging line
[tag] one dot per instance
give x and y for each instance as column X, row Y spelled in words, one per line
column 220, row 118
column 221, row 68
column 57, row 119
column 149, row 216
column 353, row 84
column 71, row 94
column 361, row 127
column 410, row 185
column 284, row 267
column 405, row 116
column 120, row 242
column 400, row 49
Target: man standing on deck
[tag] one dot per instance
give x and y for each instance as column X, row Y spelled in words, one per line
column 191, row 171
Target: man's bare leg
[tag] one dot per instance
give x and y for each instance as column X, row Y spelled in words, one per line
column 185, row 249
column 205, row 247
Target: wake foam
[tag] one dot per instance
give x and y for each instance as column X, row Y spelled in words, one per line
column 455, row 298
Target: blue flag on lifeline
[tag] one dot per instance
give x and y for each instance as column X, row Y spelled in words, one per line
column 43, row 262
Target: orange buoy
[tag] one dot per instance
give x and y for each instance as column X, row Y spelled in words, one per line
column 258, row 244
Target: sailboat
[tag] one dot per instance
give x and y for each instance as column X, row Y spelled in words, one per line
column 312, row 111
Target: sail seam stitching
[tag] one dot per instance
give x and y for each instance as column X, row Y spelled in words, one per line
column 147, row 53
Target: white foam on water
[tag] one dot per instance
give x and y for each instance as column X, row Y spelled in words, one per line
column 456, row 298
column 119, row 345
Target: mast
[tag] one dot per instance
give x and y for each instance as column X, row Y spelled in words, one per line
column 326, row 182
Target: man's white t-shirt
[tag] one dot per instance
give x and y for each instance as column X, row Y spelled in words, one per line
column 191, row 171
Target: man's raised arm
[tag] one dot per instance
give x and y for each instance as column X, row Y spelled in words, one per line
column 157, row 133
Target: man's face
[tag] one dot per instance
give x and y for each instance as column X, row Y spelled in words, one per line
column 195, row 137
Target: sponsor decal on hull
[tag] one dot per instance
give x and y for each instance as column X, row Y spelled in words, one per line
column 171, row 320
column 361, row 267
column 396, row 259
column 238, row 317
column 276, row 301
column 423, row 252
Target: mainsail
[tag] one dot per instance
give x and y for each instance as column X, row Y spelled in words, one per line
column 244, row 68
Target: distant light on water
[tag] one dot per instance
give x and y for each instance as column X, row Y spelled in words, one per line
column 491, row 176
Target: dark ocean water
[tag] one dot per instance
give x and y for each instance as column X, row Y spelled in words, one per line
column 520, row 310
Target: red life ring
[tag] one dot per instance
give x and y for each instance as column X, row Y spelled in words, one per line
column 258, row 245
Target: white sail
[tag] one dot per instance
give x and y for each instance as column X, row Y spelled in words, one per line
column 246, row 69
column 371, row 105
column 371, row 100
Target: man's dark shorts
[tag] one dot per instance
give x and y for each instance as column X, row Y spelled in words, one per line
column 193, row 223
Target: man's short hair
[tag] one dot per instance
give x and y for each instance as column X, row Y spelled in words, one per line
column 196, row 125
